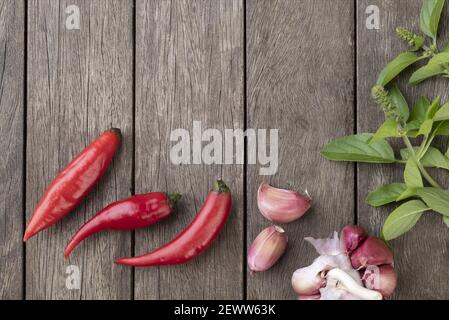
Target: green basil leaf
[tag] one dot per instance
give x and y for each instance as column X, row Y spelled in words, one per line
column 412, row 176
column 419, row 110
column 412, row 128
column 443, row 113
column 434, row 106
column 435, row 159
column 426, row 127
column 430, row 17
column 385, row 194
column 405, row 153
column 442, row 129
column 432, row 159
column 399, row 100
column 395, row 67
column 440, row 58
column 437, row 199
column 412, row 125
column 357, row 148
column 388, row 129
column 446, row 221
column 425, row 72
column 408, row 193
column 403, row 218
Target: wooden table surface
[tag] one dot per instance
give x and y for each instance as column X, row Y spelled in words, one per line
column 304, row 67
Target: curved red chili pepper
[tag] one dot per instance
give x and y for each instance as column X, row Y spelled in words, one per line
column 74, row 182
column 135, row 212
column 196, row 238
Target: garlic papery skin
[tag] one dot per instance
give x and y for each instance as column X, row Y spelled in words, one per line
column 380, row 278
column 280, row 205
column 372, row 252
column 346, row 282
column 267, row 248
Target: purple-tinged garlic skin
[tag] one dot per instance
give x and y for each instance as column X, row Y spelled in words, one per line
column 312, row 297
column 267, row 248
column 280, row 205
column 381, row 278
column 372, row 252
column 351, row 237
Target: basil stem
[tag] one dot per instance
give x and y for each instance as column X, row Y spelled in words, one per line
column 421, row 168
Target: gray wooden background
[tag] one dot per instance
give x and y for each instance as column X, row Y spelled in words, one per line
column 146, row 66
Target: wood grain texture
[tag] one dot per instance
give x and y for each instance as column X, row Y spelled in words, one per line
column 79, row 84
column 300, row 80
column 189, row 66
column 11, row 147
column 420, row 255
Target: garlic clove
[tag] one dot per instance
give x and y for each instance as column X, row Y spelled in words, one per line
column 280, row 205
column 380, row 278
column 309, row 280
column 344, row 281
column 307, row 283
column 372, row 252
column 267, row 248
column 351, row 237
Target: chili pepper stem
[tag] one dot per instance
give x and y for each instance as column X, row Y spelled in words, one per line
column 173, row 199
column 220, row 187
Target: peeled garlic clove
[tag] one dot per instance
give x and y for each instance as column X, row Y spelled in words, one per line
column 307, row 283
column 267, row 248
column 372, row 252
column 351, row 237
column 345, row 282
column 380, row 278
column 280, row 205
column 309, row 280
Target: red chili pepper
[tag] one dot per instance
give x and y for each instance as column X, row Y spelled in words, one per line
column 196, row 238
column 74, row 182
column 135, row 212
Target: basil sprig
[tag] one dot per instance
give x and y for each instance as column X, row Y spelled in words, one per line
column 426, row 120
column 437, row 62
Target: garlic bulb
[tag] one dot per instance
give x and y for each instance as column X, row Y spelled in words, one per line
column 280, row 205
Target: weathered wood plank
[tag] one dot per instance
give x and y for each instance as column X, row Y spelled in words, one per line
column 79, row 84
column 300, row 81
column 421, row 255
column 189, row 66
column 12, row 21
